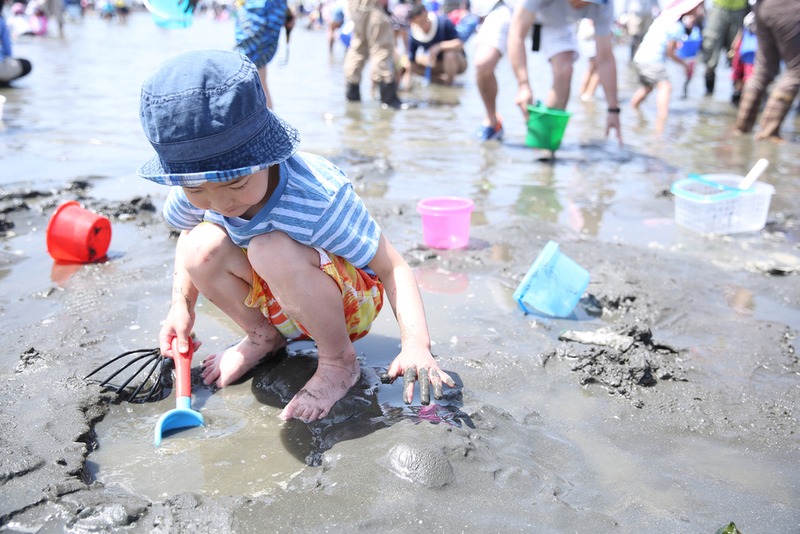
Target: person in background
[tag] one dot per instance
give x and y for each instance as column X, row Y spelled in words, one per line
column 636, row 18
column 373, row 38
column 556, row 39
column 492, row 43
column 659, row 43
column 437, row 36
column 723, row 21
column 54, row 10
column 778, row 33
column 36, row 18
column 18, row 24
column 333, row 15
column 11, row 68
column 258, row 31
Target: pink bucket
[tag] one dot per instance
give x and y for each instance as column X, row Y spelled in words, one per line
column 445, row 221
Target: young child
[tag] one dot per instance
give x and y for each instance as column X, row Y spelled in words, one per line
column 659, row 43
column 276, row 239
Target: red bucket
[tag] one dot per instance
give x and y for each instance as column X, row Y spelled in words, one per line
column 77, row 235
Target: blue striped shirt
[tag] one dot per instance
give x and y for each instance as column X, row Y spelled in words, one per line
column 314, row 203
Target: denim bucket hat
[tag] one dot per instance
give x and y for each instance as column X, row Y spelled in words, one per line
column 206, row 115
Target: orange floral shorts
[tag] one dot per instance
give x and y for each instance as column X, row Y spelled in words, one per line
column 362, row 295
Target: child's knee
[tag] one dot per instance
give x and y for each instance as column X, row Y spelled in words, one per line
column 275, row 252
column 203, row 246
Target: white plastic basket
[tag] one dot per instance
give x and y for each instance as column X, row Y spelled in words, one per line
column 714, row 204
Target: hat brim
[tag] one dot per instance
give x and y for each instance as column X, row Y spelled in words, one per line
column 273, row 144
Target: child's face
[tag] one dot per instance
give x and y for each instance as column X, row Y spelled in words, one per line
column 242, row 197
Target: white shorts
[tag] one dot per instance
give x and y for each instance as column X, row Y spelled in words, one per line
column 494, row 29
column 555, row 40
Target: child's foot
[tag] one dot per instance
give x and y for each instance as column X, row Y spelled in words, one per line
column 232, row 363
column 329, row 384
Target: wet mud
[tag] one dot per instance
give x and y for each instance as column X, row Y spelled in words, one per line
column 643, row 335
column 667, row 401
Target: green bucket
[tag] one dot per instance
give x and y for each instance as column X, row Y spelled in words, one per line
column 546, row 126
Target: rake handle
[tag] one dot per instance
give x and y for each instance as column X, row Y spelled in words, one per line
column 183, row 370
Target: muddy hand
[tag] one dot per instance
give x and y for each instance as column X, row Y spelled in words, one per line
column 409, row 377
column 426, row 378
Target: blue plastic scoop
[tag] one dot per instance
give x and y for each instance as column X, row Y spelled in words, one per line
column 182, row 416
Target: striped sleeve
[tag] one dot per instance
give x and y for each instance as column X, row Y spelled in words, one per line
column 179, row 212
column 347, row 229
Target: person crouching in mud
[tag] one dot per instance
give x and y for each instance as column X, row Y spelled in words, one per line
column 276, row 239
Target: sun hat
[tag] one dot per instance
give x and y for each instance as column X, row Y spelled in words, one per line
column 678, row 8
column 206, row 115
column 422, row 36
column 17, row 8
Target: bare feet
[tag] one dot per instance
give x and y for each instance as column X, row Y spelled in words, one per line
column 329, row 384
column 229, row 365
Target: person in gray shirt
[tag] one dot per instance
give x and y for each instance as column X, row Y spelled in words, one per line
column 557, row 40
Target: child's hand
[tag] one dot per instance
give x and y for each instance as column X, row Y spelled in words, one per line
column 419, row 367
column 178, row 324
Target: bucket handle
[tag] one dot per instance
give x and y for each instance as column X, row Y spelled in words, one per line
column 721, row 187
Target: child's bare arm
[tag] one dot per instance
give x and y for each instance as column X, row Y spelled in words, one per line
column 180, row 318
column 415, row 362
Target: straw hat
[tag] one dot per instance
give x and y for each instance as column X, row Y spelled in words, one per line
column 426, row 37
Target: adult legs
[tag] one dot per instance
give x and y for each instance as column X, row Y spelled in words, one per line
column 358, row 51
column 486, row 58
column 453, row 63
column 558, row 95
column 712, row 42
column 785, row 28
column 767, row 65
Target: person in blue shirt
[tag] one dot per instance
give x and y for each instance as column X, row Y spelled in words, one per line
column 437, row 36
column 277, row 239
column 659, row 43
column 11, row 68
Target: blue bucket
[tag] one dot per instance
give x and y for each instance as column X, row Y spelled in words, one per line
column 690, row 44
column 553, row 285
column 170, row 14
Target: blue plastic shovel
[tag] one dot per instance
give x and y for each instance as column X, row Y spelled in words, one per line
column 182, row 416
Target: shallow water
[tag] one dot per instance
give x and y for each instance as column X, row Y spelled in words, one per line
column 75, row 117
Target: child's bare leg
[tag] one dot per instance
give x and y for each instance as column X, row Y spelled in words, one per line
column 313, row 299
column 640, row 94
column 220, row 270
column 662, row 98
